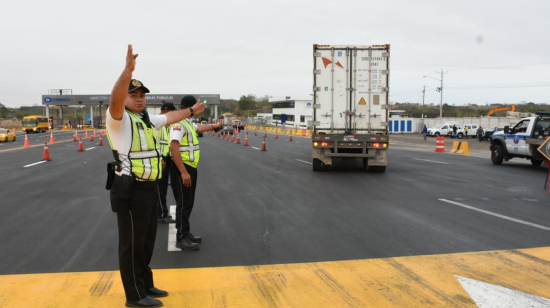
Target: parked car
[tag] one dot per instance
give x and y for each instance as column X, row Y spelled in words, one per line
column 472, row 128
column 6, row 135
column 488, row 132
column 440, row 130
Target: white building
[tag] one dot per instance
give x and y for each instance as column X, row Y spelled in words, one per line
column 298, row 110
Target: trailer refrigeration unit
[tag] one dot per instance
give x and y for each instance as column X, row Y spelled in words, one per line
column 350, row 105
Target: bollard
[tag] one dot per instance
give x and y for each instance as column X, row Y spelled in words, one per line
column 440, row 144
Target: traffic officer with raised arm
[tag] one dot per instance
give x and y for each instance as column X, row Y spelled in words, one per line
column 164, row 137
column 184, row 146
column 133, row 184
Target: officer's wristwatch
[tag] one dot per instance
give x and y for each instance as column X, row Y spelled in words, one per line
column 191, row 110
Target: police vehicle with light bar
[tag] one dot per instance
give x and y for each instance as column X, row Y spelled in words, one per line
column 522, row 140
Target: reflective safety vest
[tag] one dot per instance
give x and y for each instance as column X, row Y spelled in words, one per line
column 189, row 145
column 144, row 156
column 164, row 140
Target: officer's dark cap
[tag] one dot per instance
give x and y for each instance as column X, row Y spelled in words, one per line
column 188, row 101
column 136, row 84
column 167, row 106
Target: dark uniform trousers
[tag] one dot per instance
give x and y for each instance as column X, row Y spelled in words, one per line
column 137, row 230
column 185, row 198
column 163, row 211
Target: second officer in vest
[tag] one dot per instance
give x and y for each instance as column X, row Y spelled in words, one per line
column 184, row 147
column 164, row 140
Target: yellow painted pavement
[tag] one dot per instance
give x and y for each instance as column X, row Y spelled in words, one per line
column 416, row 281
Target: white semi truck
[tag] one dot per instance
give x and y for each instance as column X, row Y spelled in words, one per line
column 350, row 105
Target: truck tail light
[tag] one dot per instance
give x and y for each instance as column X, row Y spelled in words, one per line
column 322, row 144
column 377, row 145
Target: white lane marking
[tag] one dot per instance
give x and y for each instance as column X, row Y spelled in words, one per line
column 432, row 161
column 172, row 232
column 34, row 164
column 255, row 148
column 303, row 161
column 89, row 148
column 496, row 215
column 493, row 296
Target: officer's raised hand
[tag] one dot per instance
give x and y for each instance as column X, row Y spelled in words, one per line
column 198, row 107
column 131, row 58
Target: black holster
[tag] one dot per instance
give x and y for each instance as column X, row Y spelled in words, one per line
column 110, row 174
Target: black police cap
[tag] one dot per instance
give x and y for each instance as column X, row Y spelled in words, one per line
column 136, row 84
column 188, row 101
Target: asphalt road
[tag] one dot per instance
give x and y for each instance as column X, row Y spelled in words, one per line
column 255, row 207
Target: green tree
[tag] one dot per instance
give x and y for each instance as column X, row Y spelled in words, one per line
column 3, row 111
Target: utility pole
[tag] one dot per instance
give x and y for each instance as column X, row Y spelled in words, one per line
column 441, row 93
column 423, row 96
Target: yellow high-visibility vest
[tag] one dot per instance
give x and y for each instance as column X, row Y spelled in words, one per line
column 189, row 145
column 144, row 155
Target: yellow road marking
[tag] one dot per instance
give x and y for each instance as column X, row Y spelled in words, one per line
column 36, row 145
column 417, row 281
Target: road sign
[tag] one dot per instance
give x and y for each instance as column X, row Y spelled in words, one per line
column 544, row 149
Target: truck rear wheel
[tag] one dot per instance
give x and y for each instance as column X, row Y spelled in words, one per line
column 377, row 169
column 317, row 165
column 497, row 155
column 536, row 162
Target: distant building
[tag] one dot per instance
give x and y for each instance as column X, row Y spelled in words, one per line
column 298, row 110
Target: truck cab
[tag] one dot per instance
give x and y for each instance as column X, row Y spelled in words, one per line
column 522, row 140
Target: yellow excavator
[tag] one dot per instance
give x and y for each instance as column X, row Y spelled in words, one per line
column 512, row 108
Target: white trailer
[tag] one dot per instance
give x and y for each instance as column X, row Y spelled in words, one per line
column 350, row 105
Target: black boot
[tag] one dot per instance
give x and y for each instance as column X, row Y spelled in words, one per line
column 186, row 244
column 145, row 302
column 194, row 238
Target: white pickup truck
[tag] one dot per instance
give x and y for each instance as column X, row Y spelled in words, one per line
column 440, row 130
column 522, row 140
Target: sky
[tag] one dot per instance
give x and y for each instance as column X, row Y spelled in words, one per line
column 493, row 51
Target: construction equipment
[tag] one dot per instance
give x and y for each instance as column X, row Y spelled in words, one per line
column 497, row 109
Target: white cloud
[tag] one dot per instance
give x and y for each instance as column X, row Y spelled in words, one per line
column 234, row 48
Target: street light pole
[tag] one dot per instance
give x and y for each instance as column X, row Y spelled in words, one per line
column 441, row 93
column 440, row 89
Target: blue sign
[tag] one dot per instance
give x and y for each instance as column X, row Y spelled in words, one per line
column 288, row 97
column 48, row 99
column 283, row 118
column 339, row 54
column 88, row 118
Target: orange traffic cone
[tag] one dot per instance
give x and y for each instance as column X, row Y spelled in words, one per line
column 233, row 137
column 75, row 136
column 95, row 134
column 247, row 132
column 255, row 133
column 26, row 142
column 290, row 138
column 91, row 137
column 265, row 135
column 239, row 139
column 219, row 135
column 86, row 137
column 51, row 139
column 80, row 146
column 277, row 136
column 263, row 146
column 46, row 156
column 100, row 141
column 246, row 140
